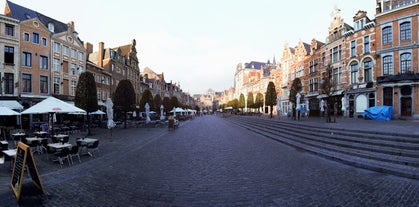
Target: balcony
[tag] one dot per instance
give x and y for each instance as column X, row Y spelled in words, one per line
column 399, row 77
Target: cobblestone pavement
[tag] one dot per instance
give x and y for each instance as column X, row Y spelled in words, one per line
column 209, row 161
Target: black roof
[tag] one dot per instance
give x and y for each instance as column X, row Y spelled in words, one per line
column 22, row 13
column 254, row 65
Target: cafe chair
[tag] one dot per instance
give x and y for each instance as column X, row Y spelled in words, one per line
column 74, row 152
column 62, row 155
column 93, row 147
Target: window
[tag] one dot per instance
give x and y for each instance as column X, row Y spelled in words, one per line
column 26, row 83
column 65, row 50
column 26, row 37
column 388, row 96
column 324, row 59
column 51, row 27
column 371, row 100
column 354, row 73
column 405, row 31
column 313, row 66
column 57, row 83
column 387, row 35
column 73, row 53
column 57, row 47
column 405, row 63
column 73, row 88
column 81, row 56
column 335, row 54
column 35, row 38
column 9, row 30
column 314, row 84
column 43, row 84
column 27, row 59
column 73, row 69
column 43, row 62
column 80, row 69
column 57, row 65
column 9, row 83
column 367, row 44
column 387, row 65
column 44, row 41
column 353, row 48
column 368, row 70
column 9, row 55
column 337, row 75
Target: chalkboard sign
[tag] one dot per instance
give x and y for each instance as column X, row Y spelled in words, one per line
column 24, row 159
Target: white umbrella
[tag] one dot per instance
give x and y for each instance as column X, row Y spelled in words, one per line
column 147, row 113
column 5, row 111
column 53, row 105
column 134, row 114
column 98, row 112
column 109, row 112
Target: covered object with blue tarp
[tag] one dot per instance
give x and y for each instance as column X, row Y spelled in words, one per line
column 379, row 113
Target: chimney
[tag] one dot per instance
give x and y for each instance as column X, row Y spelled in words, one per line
column 100, row 54
column 89, row 48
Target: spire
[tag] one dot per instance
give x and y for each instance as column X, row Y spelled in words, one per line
column 274, row 61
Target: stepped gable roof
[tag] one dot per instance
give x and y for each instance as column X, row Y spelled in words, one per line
column 254, row 65
column 22, row 13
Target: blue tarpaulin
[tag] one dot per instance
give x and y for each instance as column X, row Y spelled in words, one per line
column 379, row 113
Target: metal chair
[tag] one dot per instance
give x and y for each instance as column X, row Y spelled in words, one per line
column 74, row 152
column 93, row 147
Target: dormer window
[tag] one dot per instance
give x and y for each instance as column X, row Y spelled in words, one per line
column 359, row 24
column 51, row 27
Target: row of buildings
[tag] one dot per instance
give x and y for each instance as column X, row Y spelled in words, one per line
column 44, row 57
column 374, row 62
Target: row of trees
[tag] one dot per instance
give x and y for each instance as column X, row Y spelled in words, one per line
column 123, row 99
column 252, row 103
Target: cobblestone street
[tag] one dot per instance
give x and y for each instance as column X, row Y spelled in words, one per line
column 208, row 161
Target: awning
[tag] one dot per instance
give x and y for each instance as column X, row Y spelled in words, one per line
column 11, row 104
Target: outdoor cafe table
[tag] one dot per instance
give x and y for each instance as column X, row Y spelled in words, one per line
column 11, row 153
column 59, row 146
column 41, row 133
column 60, row 137
column 86, row 141
column 18, row 136
column 38, row 140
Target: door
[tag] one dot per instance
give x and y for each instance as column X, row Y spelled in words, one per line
column 406, row 106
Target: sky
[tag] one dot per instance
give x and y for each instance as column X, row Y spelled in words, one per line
column 199, row 43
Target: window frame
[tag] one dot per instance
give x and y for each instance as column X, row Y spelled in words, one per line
column 26, row 59
column 387, row 35
column 35, row 38
column 26, row 83
column 9, row 55
column 405, row 31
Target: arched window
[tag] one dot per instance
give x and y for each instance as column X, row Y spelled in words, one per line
column 405, row 31
column 388, row 65
column 354, row 73
column 405, row 62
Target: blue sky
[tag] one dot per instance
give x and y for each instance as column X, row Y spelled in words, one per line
column 199, row 43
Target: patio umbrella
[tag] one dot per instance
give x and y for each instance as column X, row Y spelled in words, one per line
column 5, row 111
column 147, row 113
column 109, row 112
column 98, row 112
column 52, row 106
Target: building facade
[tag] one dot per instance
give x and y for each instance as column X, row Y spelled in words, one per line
column 10, row 48
column 397, row 56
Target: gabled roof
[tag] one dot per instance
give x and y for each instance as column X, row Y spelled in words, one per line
column 254, row 65
column 22, row 13
column 125, row 50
